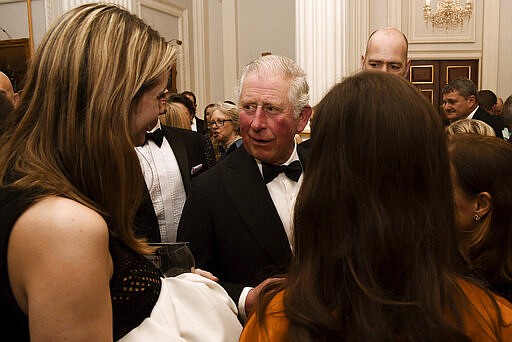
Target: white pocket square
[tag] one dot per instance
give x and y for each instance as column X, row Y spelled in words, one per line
column 196, row 168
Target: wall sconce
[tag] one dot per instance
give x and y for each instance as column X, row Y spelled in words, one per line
column 449, row 14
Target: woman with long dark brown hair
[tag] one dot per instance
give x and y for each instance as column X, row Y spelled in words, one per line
column 374, row 230
column 481, row 168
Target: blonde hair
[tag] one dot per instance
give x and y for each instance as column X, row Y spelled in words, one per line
column 70, row 135
column 231, row 111
column 175, row 116
column 470, row 126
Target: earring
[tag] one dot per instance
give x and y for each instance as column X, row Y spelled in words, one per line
column 476, row 217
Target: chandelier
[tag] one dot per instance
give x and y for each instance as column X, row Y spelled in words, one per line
column 449, row 14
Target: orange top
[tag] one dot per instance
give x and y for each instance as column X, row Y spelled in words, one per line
column 479, row 326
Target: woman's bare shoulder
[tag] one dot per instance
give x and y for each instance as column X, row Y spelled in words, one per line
column 61, row 216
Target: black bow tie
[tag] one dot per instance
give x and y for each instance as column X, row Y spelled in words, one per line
column 292, row 171
column 157, row 136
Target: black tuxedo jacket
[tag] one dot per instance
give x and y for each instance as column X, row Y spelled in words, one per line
column 200, row 125
column 191, row 150
column 306, row 144
column 482, row 115
column 238, row 235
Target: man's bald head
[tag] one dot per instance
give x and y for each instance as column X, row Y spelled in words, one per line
column 6, row 88
column 386, row 51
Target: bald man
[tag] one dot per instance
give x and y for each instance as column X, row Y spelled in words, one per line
column 7, row 89
column 386, row 51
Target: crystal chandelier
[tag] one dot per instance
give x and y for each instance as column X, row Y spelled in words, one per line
column 449, row 14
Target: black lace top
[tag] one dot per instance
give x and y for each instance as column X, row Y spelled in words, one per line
column 134, row 287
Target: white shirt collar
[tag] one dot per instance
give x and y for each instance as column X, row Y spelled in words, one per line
column 293, row 157
column 470, row 116
column 157, row 126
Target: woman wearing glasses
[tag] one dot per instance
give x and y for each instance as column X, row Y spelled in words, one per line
column 225, row 127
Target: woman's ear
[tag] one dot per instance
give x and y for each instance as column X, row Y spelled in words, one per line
column 483, row 204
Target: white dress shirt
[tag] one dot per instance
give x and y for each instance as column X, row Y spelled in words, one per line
column 163, row 179
column 193, row 124
column 283, row 192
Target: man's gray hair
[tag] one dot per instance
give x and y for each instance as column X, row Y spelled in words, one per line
column 463, row 85
column 288, row 69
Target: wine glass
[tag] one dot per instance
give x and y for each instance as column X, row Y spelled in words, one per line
column 173, row 258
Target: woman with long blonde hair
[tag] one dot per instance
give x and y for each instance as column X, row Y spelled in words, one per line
column 71, row 266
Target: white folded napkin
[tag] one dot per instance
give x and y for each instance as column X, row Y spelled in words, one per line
column 190, row 308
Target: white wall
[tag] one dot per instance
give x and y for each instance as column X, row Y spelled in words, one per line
column 504, row 88
column 173, row 19
column 239, row 31
column 270, row 26
column 14, row 20
column 265, row 26
column 214, row 53
column 38, row 21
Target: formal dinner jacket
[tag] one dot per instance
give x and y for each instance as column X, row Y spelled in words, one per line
column 306, row 144
column 232, row 224
column 190, row 149
column 200, row 125
column 482, row 115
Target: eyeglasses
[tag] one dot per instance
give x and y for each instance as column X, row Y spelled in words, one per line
column 219, row 122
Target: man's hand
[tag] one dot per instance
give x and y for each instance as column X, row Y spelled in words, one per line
column 252, row 295
column 206, row 274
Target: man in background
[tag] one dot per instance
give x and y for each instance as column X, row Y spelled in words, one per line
column 169, row 159
column 196, row 124
column 7, row 89
column 460, row 101
column 487, row 100
column 386, row 50
column 507, row 118
column 498, row 107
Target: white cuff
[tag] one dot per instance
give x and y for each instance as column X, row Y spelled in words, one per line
column 241, row 303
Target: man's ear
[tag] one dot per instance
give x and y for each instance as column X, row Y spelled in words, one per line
column 16, row 99
column 303, row 118
column 362, row 61
column 483, row 204
column 471, row 99
column 408, row 67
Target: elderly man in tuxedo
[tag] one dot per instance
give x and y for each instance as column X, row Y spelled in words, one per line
column 460, row 101
column 239, row 215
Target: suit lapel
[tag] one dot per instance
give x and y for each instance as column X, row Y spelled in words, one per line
column 247, row 191
column 180, row 152
column 200, row 125
column 146, row 222
column 303, row 156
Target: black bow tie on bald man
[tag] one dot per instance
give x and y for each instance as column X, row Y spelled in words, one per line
column 157, row 136
column 292, row 171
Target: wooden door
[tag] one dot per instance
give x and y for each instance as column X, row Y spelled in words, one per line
column 14, row 56
column 430, row 76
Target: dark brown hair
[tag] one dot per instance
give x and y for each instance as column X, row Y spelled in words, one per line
column 486, row 99
column 374, row 220
column 483, row 164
